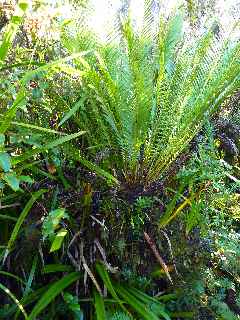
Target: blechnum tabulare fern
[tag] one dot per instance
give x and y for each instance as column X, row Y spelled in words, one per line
column 144, row 99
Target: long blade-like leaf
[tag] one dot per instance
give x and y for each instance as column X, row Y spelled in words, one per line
column 12, row 296
column 51, row 268
column 46, row 147
column 107, row 281
column 9, row 115
column 136, row 304
column 55, row 289
column 99, row 306
column 72, row 111
column 12, row 29
column 22, row 217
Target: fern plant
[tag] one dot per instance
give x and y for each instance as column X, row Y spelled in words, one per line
column 143, row 100
column 120, row 316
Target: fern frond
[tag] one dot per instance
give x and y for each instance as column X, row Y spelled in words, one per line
column 120, row 316
column 147, row 97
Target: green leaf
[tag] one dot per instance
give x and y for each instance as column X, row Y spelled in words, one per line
column 20, row 99
column 9, row 115
column 120, row 316
column 34, row 295
column 26, row 179
column 30, row 280
column 8, row 274
column 72, row 111
column 12, row 296
column 184, row 315
column 12, row 180
column 55, row 289
column 37, row 128
column 111, row 180
column 6, row 217
column 141, row 308
column 25, row 301
column 51, row 268
column 73, row 305
column 99, row 306
column 2, row 139
column 173, row 36
column 31, row 276
column 46, row 147
column 58, row 65
column 5, row 161
column 51, row 222
column 36, row 93
column 12, row 28
column 58, row 240
column 22, row 217
column 107, row 281
column 23, row 4
column 154, row 305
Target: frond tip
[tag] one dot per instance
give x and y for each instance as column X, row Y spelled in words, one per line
column 147, row 98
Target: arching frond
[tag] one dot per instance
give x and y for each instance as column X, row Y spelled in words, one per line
column 147, row 97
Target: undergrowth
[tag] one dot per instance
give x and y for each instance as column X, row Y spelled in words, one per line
column 119, row 169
